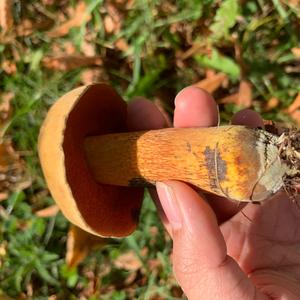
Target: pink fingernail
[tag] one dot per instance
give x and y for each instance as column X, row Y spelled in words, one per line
column 168, row 201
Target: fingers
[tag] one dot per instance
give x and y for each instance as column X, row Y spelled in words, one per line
column 200, row 260
column 143, row 114
column 194, row 107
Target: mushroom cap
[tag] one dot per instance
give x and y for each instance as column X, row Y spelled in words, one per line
column 101, row 209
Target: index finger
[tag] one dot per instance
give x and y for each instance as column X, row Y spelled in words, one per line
column 195, row 107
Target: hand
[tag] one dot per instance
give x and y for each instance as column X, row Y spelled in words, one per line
column 222, row 249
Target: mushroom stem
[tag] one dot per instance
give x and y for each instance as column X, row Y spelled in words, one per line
column 229, row 161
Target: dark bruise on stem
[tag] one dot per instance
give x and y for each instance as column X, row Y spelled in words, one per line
column 216, row 167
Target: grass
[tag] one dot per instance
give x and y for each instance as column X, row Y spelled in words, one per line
column 252, row 42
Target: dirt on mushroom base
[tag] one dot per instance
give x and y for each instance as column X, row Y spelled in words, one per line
column 288, row 144
column 289, row 150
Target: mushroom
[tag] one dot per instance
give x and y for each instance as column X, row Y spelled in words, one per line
column 96, row 170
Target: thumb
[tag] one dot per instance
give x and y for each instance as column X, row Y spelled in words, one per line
column 200, row 261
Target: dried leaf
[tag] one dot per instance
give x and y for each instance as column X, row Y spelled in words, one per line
column 27, row 26
column 8, row 156
column 79, row 244
column 5, row 107
column 47, row 212
column 212, row 83
column 12, row 169
column 76, row 19
column 88, row 48
column 157, row 297
column 245, row 94
column 295, row 105
column 228, row 99
column 63, row 50
column 108, row 24
column 71, row 62
column 113, row 20
column 3, row 196
column 128, row 261
column 48, row 2
column 9, row 67
column 292, row 69
column 6, row 17
column 296, row 52
column 3, row 247
column 121, row 45
column 271, row 104
column 296, row 116
column 209, row 73
column 197, row 48
column 91, row 75
column 154, row 264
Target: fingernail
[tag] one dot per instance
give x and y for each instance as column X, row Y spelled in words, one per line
column 169, row 204
column 179, row 95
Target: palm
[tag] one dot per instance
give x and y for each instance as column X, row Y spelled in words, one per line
column 265, row 241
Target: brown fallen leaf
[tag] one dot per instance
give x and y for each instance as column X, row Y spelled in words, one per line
column 5, row 107
column 292, row 69
column 12, row 169
column 47, row 212
column 48, row 2
column 6, row 17
column 210, row 73
column 295, row 115
column 296, row 52
column 176, row 291
column 271, row 104
column 295, row 105
column 88, row 48
column 212, row 83
column 121, row 45
column 154, row 264
column 3, row 196
column 196, row 48
column 228, row 99
column 8, row 156
column 79, row 245
column 295, row 3
column 63, row 50
column 108, row 24
column 128, row 261
column 9, row 67
column 91, row 75
column 244, row 94
column 157, row 297
column 76, row 18
column 112, row 20
column 71, row 62
column 28, row 26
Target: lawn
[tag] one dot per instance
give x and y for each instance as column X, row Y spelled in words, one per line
column 246, row 53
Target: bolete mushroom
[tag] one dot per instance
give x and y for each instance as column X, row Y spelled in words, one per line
column 95, row 170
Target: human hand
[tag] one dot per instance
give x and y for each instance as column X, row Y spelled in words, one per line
column 222, row 249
